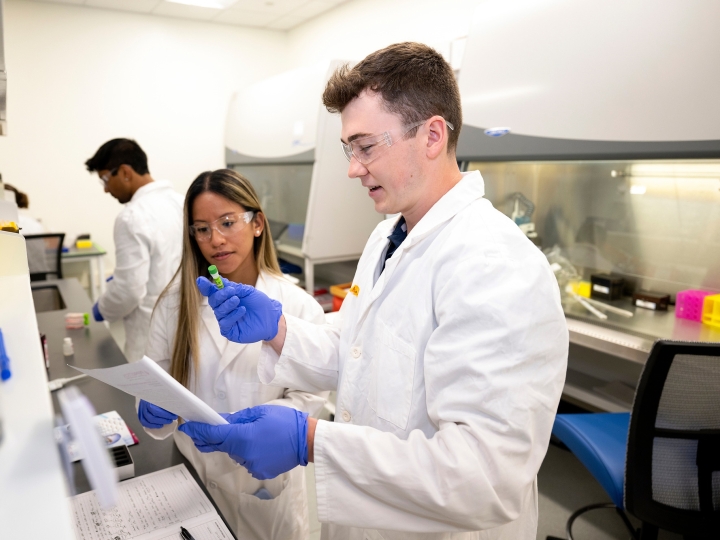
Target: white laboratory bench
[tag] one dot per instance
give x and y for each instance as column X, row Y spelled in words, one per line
column 607, row 356
column 32, row 484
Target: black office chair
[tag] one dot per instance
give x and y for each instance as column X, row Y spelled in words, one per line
column 664, row 469
column 44, row 252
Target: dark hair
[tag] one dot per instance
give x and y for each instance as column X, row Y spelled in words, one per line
column 414, row 81
column 118, row 152
column 21, row 199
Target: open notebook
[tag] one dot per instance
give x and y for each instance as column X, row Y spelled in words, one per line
column 151, row 507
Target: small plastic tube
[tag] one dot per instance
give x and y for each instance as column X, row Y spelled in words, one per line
column 215, row 276
column 68, row 349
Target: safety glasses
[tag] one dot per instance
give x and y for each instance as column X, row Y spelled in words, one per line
column 105, row 178
column 227, row 225
column 368, row 149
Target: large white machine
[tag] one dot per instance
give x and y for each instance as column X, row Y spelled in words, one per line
column 280, row 136
column 576, row 79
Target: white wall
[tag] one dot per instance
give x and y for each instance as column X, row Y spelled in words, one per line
column 80, row 76
column 353, row 30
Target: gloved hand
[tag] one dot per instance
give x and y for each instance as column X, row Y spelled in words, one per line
column 154, row 417
column 245, row 314
column 96, row 313
column 267, row 440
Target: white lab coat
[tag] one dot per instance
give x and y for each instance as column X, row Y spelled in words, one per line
column 228, row 382
column 148, row 246
column 449, row 368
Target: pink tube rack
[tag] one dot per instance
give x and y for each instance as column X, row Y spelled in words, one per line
column 689, row 304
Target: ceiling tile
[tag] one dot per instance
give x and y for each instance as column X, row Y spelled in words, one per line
column 286, row 23
column 141, row 6
column 313, row 8
column 171, row 9
column 245, row 18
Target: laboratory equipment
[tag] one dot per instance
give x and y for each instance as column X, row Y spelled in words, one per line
column 78, row 412
column 584, row 303
column 212, row 269
column 606, row 287
column 689, row 304
column 73, row 321
column 621, row 188
column 651, row 300
column 711, row 310
column 123, row 462
column 68, row 349
column 339, row 292
column 523, row 209
column 57, row 384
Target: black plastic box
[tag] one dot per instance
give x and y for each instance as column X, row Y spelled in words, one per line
column 606, row 287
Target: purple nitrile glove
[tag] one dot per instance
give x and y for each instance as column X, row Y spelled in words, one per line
column 267, row 440
column 154, row 417
column 245, row 314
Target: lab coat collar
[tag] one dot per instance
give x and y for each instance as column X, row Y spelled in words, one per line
column 470, row 188
column 155, row 185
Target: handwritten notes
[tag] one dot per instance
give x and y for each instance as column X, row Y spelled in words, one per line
column 151, row 507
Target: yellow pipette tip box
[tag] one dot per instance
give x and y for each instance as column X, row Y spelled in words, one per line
column 581, row 288
column 711, row 310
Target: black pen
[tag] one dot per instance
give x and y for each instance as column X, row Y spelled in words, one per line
column 185, row 533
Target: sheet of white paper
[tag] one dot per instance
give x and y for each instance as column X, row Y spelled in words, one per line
column 151, row 507
column 146, row 380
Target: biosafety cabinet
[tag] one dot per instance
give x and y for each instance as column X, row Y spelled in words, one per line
column 596, row 125
column 281, row 137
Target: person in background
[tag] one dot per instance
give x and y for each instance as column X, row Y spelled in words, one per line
column 448, row 354
column 147, row 235
column 225, row 226
column 27, row 223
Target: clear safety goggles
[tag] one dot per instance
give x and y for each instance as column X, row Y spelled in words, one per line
column 227, row 225
column 367, row 149
column 105, row 178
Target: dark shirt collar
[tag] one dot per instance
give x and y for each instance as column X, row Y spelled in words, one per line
column 396, row 238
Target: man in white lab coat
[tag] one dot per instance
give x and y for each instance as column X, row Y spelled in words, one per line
column 449, row 352
column 147, row 235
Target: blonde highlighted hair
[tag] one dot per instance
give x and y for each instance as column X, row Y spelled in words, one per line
column 235, row 188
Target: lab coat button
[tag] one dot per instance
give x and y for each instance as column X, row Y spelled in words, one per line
column 221, row 395
column 212, row 485
column 356, row 352
column 346, row 416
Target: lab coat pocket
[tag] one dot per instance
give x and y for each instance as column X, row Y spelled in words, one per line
column 392, row 376
column 282, row 517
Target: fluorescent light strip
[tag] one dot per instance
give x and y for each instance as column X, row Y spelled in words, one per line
column 212, row 4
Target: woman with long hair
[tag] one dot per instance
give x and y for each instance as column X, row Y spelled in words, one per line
column 224, row 226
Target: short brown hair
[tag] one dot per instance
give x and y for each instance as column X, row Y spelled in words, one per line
column 414, row 81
